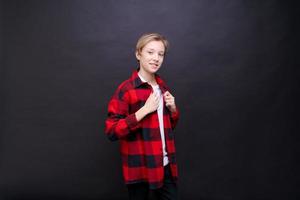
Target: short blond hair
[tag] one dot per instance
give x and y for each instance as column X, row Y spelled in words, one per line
column 148, row 37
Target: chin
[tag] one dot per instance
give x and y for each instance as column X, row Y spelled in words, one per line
column 154, row 70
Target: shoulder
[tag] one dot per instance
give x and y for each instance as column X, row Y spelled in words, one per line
column 125, row 85
column 123, row 88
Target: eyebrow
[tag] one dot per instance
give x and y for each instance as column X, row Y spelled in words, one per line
column 154, row 49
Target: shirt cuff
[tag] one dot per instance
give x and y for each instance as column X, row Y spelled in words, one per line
column 132, row 122
column 175, row 114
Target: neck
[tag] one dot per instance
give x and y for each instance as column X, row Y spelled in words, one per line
column 150, row 78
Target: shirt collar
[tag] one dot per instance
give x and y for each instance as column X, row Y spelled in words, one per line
column 137, row 82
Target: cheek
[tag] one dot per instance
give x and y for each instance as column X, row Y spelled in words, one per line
column 144, row 58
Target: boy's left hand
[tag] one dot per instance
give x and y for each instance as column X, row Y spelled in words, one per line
column 170, row 101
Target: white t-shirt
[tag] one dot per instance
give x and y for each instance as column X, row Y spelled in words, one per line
column 157, row 90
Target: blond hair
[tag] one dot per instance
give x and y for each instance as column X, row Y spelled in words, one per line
column 148, row 37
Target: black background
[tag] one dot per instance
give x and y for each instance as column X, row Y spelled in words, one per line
column 232, row 67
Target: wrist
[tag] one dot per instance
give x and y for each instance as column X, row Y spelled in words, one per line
column 173, row 109
column 141, row 113
column 145, row 110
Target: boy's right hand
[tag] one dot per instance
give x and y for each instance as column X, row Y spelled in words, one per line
column 152, row 103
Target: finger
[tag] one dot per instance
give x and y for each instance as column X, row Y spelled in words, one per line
column 166, row 96
column 168, row 99
column 166, row 93
column 170, row 103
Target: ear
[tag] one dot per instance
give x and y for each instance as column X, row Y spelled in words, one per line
column 137, row 55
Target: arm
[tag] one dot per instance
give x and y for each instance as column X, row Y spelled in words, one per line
column 174, row 112
column 174, row 117
column 119, row 122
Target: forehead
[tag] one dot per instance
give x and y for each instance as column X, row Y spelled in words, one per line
column 155, row 45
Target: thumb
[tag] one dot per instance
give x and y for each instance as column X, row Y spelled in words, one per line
column 167, row 93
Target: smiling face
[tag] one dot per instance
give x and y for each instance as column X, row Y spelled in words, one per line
column 151, row 56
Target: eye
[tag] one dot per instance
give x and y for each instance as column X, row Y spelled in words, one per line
column 150, row 52
column 161, row 54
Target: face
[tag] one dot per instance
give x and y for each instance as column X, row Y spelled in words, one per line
column 151, row 57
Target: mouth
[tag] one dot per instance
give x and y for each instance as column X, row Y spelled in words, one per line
column 154, row 65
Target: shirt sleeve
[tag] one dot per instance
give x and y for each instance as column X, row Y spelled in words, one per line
column 174, row 116
column 119, row 122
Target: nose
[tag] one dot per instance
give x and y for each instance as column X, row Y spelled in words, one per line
column 155, row 57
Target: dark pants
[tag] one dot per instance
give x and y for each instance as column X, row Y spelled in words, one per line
column 140, row 191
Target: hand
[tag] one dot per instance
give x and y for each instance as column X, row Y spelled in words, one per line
column 152, row 103
column 170, row 101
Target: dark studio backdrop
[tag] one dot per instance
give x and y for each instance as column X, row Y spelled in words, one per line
column 232, row 67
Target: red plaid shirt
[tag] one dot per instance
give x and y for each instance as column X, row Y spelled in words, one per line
column 140, row 142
